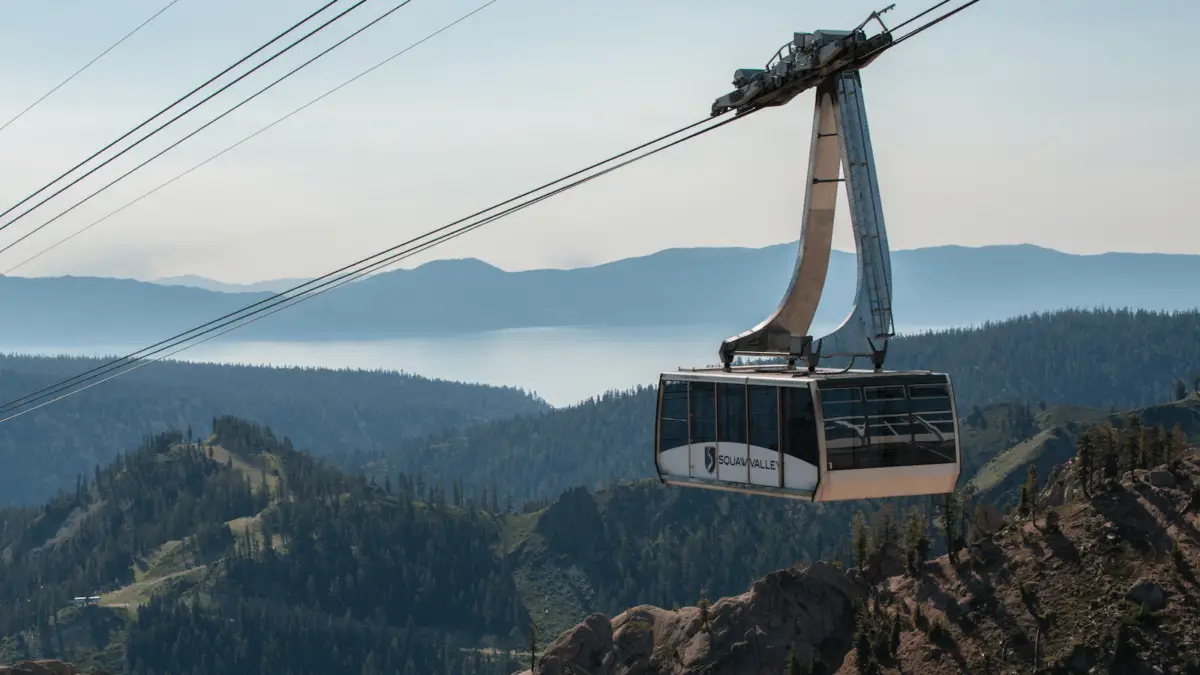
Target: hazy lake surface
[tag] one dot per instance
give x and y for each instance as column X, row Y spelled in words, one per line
column 562, row 365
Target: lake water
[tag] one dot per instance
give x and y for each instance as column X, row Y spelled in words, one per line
column 562, row 365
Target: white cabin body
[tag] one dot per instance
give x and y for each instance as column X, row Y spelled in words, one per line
column 822, row 436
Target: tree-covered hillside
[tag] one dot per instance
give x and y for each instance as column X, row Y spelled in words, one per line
column 248, row 556
column 240, row 553
column 330, row 411
column 1075, row 357
column 1099, row 358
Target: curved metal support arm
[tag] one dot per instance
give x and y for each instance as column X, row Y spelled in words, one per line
column 840, row 140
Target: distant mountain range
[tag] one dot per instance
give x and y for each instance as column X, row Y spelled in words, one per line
column 729, row 287
column 193, row 281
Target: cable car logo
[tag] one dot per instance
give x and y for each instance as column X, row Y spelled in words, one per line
column 710, row 458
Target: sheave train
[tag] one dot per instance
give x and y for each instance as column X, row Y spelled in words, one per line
column 791, row 428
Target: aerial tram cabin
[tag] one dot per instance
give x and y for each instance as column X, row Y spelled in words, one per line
column 798, row 429
column 821, row 436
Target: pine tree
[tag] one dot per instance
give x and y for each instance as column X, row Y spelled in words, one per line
column 1135, row 438
column 860, row 542
column 1086, row 449
column 964, row 510
column 885, row 532
column 862, row 642
column 949, row 525
column 1156, row 447
column 1111, row 451
column 916, row 540
column 1028, row 503
column 1176, row 443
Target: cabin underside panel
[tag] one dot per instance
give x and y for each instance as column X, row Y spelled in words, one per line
column 895, row 481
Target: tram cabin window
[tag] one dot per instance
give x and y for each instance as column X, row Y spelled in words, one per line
column 844, row 420
column 933, row 423
column 673, row 425
column 731, row 427
column 888, row 425
column 764, row 416
column 800, row 425
column 703, row 409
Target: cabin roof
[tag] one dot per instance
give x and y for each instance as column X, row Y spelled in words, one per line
column 780, row 374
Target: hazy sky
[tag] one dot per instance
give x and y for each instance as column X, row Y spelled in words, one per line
column 1064, row 123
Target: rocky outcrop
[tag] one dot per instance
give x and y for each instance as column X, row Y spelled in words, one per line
column 750, row 634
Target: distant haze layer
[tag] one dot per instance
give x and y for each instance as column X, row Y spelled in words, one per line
column 735, row 287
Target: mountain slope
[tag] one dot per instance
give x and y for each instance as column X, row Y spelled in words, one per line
column 1099, row 579
column 241, row 546
column 333, row 411
column 730, row 287
column 311, row 572
column 1071, row 357
column 999, row 481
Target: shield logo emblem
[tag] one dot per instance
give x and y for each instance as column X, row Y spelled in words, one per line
column 710, row 458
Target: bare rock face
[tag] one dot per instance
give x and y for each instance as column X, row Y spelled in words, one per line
column 749, row 634
column 1161, row 478
column 990, row 520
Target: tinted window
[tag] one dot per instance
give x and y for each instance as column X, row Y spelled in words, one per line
column 703, row 412
column 800, row 425
column 843, row 412
column 905, row 425
column 887, row 412
column 931, row 408
column 764, row 416
column 732, row 413
column 673, row 415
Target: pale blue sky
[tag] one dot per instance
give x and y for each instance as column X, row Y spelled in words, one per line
column 1064, row 123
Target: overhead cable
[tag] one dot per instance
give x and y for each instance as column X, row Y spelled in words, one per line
column 251, row 136
column 178, row 101
column 931, row 24
column 87, row 65
column 211, row 122
column 349, row 272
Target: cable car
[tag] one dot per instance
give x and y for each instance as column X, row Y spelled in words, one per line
column 823, row 436
column 797, row 429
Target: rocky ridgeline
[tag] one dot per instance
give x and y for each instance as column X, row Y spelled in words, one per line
column 1100, row 580
column 808, row 610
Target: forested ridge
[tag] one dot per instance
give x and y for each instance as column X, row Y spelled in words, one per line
column 330, row 411
column 1103, row 359
column 323, row 572
column 388, row 422
column 359, row 572
column 238, row 548
column 245, row 554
